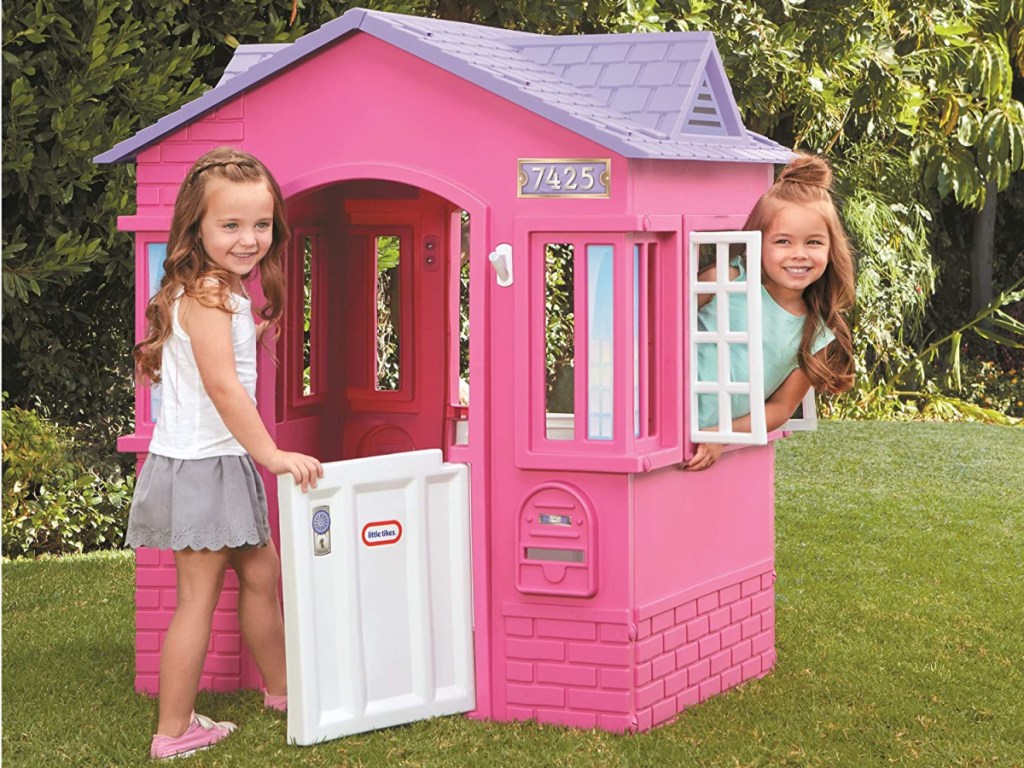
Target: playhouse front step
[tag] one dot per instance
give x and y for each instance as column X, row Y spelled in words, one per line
column 588, row 673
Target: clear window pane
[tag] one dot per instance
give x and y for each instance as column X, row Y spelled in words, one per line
column 600, row 341
column 156, row 254
column 307, row 316
column 560, row 340
column 636, row 336
column 645, row 321
column 464, row 310
column 388, row 255
column 648, row 340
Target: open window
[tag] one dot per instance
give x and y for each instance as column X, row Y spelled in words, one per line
column 720, row 390
column 731, row 384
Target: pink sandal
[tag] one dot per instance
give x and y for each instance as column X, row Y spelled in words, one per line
column 278, row 702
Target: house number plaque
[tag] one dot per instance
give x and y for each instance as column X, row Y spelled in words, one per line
column 566, row 177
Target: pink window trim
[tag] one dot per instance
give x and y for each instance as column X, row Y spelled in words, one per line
column 296, row 403
column 625, row 452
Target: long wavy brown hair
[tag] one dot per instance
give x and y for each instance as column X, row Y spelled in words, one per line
column 187, row 268
column 807, row 181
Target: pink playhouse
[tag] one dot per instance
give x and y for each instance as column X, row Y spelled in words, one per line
column 459, row 197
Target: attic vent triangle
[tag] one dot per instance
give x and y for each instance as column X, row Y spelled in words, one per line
column 704, row 116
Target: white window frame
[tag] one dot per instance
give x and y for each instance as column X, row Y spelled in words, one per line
column 808, row 421
column 723, row 337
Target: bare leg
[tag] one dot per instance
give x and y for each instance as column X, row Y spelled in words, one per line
column 200, row 575
column 259, row 613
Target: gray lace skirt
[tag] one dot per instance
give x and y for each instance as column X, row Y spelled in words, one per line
column 198, row 504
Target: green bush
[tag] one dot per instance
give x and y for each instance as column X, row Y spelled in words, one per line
column 52, row 504
column 994, row 387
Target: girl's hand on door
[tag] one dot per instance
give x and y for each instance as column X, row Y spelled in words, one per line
column 304, row 469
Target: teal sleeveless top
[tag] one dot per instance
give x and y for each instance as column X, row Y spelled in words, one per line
column 781, row 333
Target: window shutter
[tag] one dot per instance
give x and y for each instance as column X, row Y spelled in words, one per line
column 724, row 338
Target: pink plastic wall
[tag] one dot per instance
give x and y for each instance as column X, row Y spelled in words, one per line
column 684, row 562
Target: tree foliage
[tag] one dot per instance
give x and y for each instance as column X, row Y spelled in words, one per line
column 912, row 101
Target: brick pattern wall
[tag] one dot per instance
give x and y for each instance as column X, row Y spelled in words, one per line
column 155, row 600
column 634, row 676
column 575, row 673
column 162, row 167
column 704, row 646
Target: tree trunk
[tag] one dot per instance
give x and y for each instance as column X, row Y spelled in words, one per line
column 982, row 248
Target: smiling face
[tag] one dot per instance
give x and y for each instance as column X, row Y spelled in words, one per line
column 794, row 253
column 237, row 227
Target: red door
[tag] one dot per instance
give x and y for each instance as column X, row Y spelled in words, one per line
column 394, row 326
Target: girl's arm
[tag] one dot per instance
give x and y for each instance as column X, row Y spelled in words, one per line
column 778, row 409
column 710, row 275
column 209, row 329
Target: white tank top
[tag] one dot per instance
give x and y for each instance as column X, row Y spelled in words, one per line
column 188, row 425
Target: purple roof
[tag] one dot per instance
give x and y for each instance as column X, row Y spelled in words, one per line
column 659, row 95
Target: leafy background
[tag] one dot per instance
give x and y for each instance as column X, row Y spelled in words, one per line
column 917, row 104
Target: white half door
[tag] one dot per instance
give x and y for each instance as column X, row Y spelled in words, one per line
column 377, row 595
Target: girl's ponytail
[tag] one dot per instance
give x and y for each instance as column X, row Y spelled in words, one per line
column 808, row 170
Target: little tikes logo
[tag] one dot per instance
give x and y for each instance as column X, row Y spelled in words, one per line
column 383, row 532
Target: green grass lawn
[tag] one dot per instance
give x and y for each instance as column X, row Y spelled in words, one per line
column 900, row 629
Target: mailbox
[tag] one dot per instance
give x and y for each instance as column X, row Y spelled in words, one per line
column 556, row 552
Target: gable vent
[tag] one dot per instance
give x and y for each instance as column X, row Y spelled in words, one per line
column 704, row 116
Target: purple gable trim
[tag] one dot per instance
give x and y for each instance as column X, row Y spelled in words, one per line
column 248, row 56
column 646, row 96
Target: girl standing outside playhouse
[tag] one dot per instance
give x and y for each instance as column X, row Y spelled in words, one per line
column 807, row 286
column 199, row 493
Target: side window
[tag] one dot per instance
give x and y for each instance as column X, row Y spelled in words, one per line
column 458, row 380
column 600, row 341
column 309, row 360
column 458, row 307
column 156, row 254
column 559, row 340
column 725, row 345
column 646, row 342
column 304, row 369
column 596, row 304
column 388, row 302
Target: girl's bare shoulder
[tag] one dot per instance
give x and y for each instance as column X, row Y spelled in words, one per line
column 205, row 303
